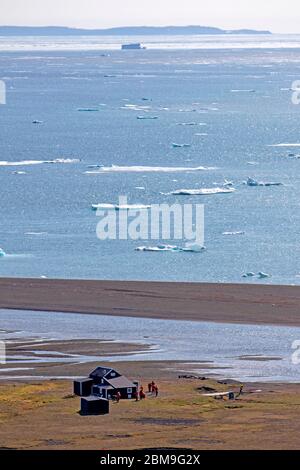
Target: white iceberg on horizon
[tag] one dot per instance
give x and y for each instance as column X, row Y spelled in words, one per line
column 203, row 191
column 190, row 247
column 252, row 182
column 146, row 169
column 119, row 207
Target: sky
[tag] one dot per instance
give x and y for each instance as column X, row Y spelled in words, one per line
column 279, row 16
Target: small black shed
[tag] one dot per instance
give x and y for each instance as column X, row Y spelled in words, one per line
column 83, row 387
column 94, row 406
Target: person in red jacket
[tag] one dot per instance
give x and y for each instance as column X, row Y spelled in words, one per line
column 142, row 393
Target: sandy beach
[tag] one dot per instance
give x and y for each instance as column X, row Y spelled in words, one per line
column 232, row 303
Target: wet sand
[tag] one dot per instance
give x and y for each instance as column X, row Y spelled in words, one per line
column 232, row 303
column 77, row 358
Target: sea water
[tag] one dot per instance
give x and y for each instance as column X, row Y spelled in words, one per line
column 74, row 103
column 245, row 352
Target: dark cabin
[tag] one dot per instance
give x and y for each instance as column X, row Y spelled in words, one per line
column 106, row 382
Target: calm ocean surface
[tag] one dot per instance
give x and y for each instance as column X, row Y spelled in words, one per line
column 236, row 93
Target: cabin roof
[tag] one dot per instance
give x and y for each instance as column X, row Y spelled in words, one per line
column 101, row 372
column 120, row 382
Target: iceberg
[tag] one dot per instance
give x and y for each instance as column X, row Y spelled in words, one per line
column 202, row 192
column 242, row 91
column 253, row 182
column 146, row 169
column 262, row 275
column 194, row 248
column 135, row 107
column 87, row 110
column 2, row 253
column 136, row 46
column 227, row 183
column 39, row 162
column 190, row 247
column 180, row 145
column 285, row 145
column 147, row 117
column 119, row 207
column 192, row 124
column 234, row 233
column 36, row 233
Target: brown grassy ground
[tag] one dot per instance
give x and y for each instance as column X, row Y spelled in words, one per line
column 44, row 415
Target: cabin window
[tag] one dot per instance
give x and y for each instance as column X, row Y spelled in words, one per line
column 113, row 374
column 129, row 390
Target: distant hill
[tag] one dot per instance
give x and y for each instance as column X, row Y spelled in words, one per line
column 121, row 31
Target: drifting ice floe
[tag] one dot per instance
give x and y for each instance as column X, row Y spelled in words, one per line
column 234, row 233
column 135, row 107
column 253, row 182
column 228, row 183
column 191, row 247
column 39, row 162
column 294, row 155
column 146, row 169
column 243, row 91
column 2, row 253
column 187, row 124
column 260, row 275
column 285, row 145
column 119, row 207
column 202, row 192
column 37, row 122
column 36, row 233
column 88, row 110
column 192, row 124
column 180, row 145
column 147, row 117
